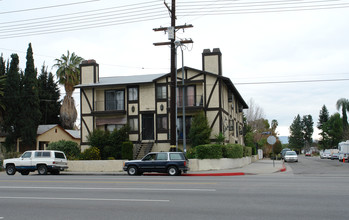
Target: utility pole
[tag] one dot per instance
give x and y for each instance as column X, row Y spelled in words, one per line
column 172, row 37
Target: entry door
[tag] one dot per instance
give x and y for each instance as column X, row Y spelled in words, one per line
column 148, row 127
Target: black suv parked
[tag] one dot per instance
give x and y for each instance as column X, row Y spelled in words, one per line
column 173, row 163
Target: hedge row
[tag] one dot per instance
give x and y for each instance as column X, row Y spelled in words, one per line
column 217, row 151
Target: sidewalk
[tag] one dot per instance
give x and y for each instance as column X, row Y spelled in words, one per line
column 264, row 166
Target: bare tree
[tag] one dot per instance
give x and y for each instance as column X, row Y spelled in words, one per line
column 255, row 116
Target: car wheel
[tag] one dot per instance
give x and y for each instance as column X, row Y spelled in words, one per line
column 10, row 169
column 42, row 170
column 172, row 171
column 25, row 172
column 132, row 171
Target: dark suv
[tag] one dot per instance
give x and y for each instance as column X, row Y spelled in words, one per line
column 173, row 163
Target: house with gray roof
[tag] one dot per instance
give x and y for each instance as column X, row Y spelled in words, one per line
column 143, row 102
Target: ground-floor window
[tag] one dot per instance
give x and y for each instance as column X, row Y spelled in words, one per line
column 188, row 120
column 111, row 127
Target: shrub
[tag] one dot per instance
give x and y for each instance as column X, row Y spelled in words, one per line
column 191, row 153
column 127, row 150
column 209, row 151
column 70, row 148
column 92, row 153
column 233, row 151
column 108, row 143
column 247, row 151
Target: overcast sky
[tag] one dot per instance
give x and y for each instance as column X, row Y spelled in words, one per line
column 262, row 42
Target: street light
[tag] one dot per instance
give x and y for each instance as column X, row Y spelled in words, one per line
column 178, row 44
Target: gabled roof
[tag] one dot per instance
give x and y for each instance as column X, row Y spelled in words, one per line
column 44, row 128
column 122, row 80
column 149, row 78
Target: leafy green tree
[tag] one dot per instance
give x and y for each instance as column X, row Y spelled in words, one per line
column 308, row 130
column 49, row 96
column 323, row 118
column 70, row 148
column 68, row 74
column 12, row 101
column 277, row 147
column 200, row 131
column 343, row 104
column 334, row 128
column 296, row 138
column 30, row 114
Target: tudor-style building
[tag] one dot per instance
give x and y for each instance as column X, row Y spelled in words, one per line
column 142, row 101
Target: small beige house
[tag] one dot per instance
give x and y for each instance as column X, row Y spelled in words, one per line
column 47, row 134
column 142, row 101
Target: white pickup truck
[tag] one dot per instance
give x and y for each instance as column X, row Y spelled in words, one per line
column 41, row 160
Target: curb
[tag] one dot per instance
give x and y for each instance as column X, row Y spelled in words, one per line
column 214, row 174
column 197, row 174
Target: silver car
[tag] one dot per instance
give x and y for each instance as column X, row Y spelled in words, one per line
column 291, row 156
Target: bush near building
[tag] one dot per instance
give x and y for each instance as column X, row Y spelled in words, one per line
column 217, row 151
column 70, row 148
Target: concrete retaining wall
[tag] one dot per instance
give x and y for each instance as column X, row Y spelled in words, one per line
column 194, row 164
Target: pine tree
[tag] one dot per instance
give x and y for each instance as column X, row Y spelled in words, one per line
column 323, row 119
column 308, row 130
column 200, row 131
column 49, row 97
column 12, row 95
column 30, row 101
column 2, row 88
column 296, row 139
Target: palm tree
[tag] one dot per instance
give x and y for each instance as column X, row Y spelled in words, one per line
column 68, row 74
column 344, row 104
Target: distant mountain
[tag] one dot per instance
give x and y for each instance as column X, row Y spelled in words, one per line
column 283, row 139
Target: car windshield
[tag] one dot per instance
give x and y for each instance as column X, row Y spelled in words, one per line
column 291, row 153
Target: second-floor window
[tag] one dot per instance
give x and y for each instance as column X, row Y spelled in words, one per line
column 132, row 94
column 114, row 100
column 161, row 92
column 189, row 97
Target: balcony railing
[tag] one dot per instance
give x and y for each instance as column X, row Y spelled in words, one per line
column 109, row 106
column 189, row 101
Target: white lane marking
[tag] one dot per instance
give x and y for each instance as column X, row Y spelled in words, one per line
column 86, row 199
column 92, row 188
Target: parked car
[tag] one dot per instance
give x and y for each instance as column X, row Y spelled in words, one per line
column 283, row 151
column 173, row 163
column 291, row 156
column 41, row 160
column 335, row 156
column 308, row 154
column 326, row 154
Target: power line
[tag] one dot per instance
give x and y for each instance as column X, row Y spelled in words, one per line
column 47, row 7
column 296, row 81
column 134, row 13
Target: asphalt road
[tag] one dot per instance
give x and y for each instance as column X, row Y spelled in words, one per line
column 310, row 189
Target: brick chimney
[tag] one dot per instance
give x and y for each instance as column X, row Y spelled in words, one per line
column 212, row 61
column 89, row 72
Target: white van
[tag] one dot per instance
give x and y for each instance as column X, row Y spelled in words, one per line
column 343, row 148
